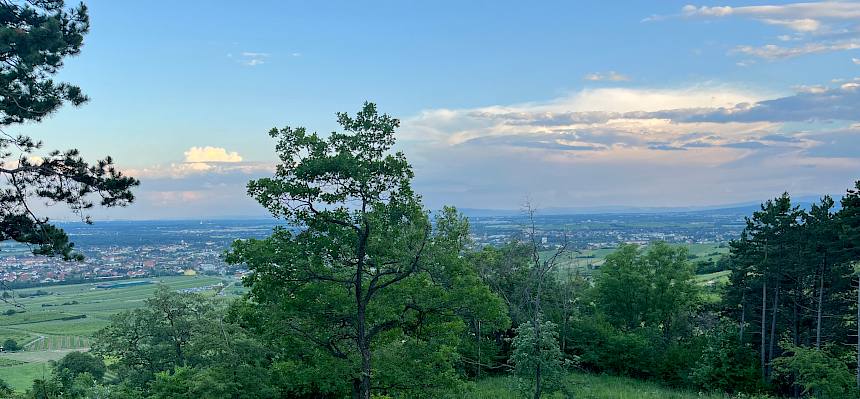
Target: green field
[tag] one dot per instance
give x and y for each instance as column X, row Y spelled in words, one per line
column 587, row 260
column 65, row 318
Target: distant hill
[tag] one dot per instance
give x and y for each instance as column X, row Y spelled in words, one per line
column 744, row 208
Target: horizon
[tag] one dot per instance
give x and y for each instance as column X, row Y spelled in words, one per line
column 509, row 212
column 579, row 107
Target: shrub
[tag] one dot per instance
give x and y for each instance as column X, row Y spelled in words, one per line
column 602, row 348
column 819, row 373
column 548, row 357
column 725, row 365
column 10, row 345
column 77, row 363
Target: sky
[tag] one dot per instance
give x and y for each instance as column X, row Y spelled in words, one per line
column 565, row 104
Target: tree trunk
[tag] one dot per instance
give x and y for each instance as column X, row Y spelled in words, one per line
column 361, row 302
column 743, row 317
column 858, row 333
column 364, row 389
column 478, row 371
column 363, row 349
column 763, row 331
column 773, row 329
column 536, row 324
column 820, row 302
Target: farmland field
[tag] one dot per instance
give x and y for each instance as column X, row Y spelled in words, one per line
column 48, row 322
column 587, row 260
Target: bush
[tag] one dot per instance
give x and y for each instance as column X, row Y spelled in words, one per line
column 725, row 365
column 818, row 372
column 548, row 357
column 77, row 363
column 676, row 362
column 10, row 345
column 602, row 348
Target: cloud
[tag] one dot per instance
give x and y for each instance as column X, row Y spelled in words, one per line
column 251, row 59
column 611, row 76
column 800, row 25
column 819, row 27
column 595, row 122
column 622, row 145
column 816, row 104
column 773, row 52
column 792, row 11
column 203, row 160
column 211, row 154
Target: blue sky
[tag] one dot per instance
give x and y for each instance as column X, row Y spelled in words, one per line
column 570, row 104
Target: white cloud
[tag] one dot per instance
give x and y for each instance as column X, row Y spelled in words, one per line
column 773, row 52
column 819, row 27
column 203, row 160
column 856, row 61
column 691, row 10
column 611, row 76
column 249, row 58
column 821, row 10
column 800, row 25
column 813, row 89
column 211, row 154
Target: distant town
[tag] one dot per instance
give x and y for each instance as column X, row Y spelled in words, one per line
column 119, row 250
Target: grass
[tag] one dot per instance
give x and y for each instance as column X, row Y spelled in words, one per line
column 587, row 386
column 713, row 279
column 20, row 377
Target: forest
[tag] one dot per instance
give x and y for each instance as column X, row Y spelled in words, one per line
column 369, row 294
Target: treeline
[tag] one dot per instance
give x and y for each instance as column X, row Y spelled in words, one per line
column 794, row 297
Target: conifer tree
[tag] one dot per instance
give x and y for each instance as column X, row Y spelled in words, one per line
column 35, row 38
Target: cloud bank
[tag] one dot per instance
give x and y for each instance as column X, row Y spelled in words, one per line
column 660, row 147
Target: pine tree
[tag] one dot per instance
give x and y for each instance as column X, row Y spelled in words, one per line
column 35, row 37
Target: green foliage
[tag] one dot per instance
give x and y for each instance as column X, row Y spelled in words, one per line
column 537, row 351
column 726, row 366
column 655, row 288
column 210, row 382
column 816, row 371
column 5, row 390
column 791, row 279
column 184, row 343
column 594, row 386
column 77, row 363
column 10, row 345
column 603, row 348
column 366, row 275
column 154, row 338
column 640, row 321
